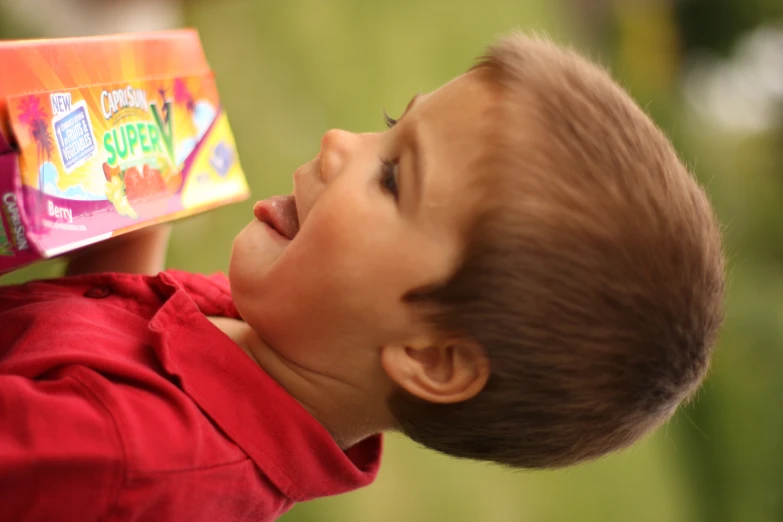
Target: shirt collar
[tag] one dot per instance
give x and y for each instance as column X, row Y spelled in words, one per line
column 292, row 449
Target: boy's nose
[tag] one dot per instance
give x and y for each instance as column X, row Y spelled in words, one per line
column 336, row 147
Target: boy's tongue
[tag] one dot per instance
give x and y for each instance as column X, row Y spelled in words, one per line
column 279, row 212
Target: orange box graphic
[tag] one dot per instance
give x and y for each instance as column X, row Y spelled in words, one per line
column 103, row 135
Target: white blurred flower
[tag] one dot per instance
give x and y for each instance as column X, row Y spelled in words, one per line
column 744, row 92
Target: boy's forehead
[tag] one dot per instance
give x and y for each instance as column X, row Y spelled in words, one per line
column 457, row 111
column 451, row 126
column 462, row 90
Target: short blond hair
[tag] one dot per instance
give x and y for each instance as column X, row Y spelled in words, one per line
column 594, row 277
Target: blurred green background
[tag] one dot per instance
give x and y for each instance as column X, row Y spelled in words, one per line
column 709, row 71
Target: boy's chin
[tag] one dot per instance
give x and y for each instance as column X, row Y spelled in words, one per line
column 255, row 249
column 261, row 239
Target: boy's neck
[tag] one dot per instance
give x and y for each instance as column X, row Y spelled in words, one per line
column 339, row 407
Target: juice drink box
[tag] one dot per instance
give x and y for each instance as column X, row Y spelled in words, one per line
column 103, row 135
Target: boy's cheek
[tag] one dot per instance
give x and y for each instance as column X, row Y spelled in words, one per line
column 333, row 234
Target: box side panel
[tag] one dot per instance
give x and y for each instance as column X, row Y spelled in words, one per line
column 17, row 242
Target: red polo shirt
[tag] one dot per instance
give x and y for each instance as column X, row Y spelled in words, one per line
column 120, row 400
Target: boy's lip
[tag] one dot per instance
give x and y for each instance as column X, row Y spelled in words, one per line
column 279, row 213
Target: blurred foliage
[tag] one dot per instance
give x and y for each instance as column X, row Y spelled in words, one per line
column 288, row 71
column 715, row 25
column 12, row 29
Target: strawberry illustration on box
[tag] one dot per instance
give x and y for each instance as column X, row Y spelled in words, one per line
column 95, row 151
column 131, row 189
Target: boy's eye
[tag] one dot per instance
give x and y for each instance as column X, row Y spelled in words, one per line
column 389, row 177
column 390, row 122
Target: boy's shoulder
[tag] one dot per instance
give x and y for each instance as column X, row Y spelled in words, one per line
column 113, row 322
column 146, row 349
column 104, row 321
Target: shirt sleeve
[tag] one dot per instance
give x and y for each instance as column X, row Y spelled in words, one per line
column 60, row 452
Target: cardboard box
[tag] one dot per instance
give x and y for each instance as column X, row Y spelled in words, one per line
column 103, row 135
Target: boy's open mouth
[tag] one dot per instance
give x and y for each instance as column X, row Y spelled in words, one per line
column 279, row 213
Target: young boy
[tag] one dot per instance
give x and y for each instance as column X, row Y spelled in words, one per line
column 520, row 270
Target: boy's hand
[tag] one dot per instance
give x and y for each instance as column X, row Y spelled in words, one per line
column 139, row 252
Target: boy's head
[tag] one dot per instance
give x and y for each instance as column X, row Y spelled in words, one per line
column 520, row 270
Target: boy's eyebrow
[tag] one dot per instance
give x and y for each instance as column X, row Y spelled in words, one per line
column 412, row 140
column 417, row 165
column 410, row 104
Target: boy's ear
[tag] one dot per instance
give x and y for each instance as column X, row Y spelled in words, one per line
column 447, row 371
